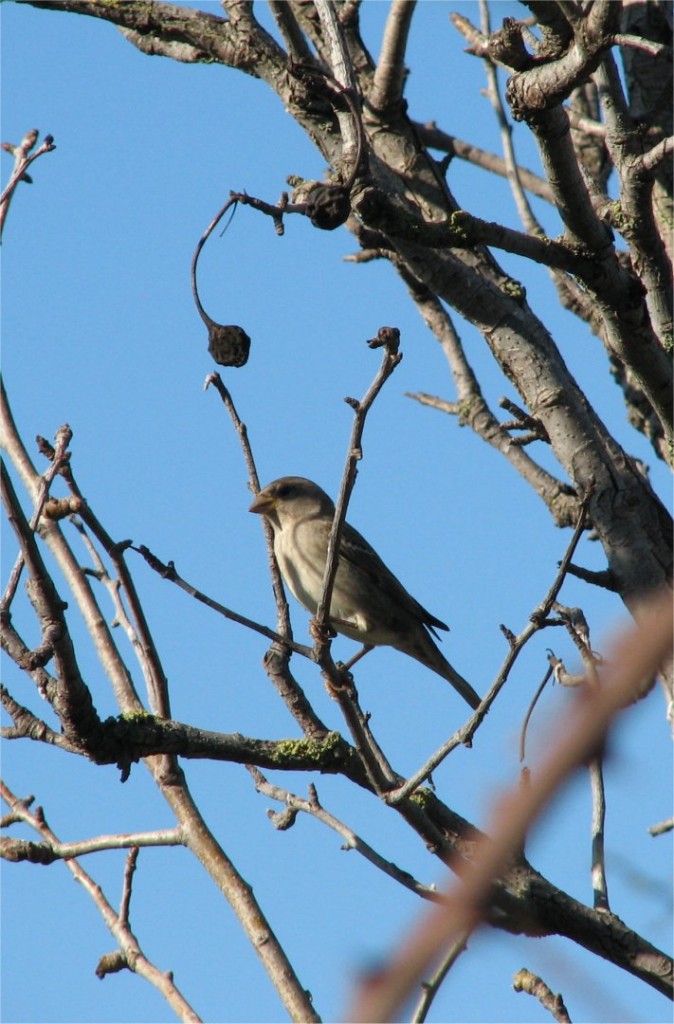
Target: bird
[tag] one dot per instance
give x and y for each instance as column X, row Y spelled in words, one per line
column 368, row 604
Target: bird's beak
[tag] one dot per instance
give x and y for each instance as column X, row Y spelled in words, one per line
column 263, row 503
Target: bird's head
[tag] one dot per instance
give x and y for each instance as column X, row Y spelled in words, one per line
column 292, row 498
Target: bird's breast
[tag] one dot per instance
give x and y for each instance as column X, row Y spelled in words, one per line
column 301, row 557
column 301, row 552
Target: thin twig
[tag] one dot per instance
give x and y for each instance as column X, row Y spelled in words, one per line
column 662, row 827
column 651, row 160
column 389, row 76
column 639, row 652
column 49, row 852
column 168, row 571
column 586, row 124
column 579, row 631
column 599, row 883
column 298, row 48
column 494, row 95
column 137, row 627
column 435, row 402
column 525, row 981
column 284, row 626
column 572, row 11
column 388, row 338
column 473, row 410
column 431, row 988
column 353, row 841
column 648, row 46
column 22, row 162
column 275, row 211
column 341, row 688
column 434, row 138
column 29, row 726
column 129, row 870
column 231, row 202
column 530, row 711
column 465, row 734
column 59, row 460
column 603, row 578
column 130, row 953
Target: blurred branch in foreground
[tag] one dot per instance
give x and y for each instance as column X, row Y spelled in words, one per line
column 639, row 652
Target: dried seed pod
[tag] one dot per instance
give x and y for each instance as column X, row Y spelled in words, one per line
column 228, row 344
column 328, row 206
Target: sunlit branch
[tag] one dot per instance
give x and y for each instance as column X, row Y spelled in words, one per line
column 49, row 852
column 389, row 76
column 434, row 138
column 23, row 158
column 353, row 841
column 525, row 981
column 465, row 734
column 130, row 952
column 167, row 571
column 639, row 652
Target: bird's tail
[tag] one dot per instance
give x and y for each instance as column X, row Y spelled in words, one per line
column 424, row 650
column 460, row 684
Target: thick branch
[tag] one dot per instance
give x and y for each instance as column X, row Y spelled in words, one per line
column 72, row 700
column 549, row 83
column 183, row 33
column 637, row 222
column 473, row 410
column 638, row 654
column 77, row 580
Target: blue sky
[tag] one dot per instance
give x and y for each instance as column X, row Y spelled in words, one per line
column 100, row 331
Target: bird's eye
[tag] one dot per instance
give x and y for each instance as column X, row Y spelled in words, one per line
column 283, row 491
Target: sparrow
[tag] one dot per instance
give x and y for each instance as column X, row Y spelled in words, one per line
column 368, row 603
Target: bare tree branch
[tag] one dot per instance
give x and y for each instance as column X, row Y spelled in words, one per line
column 48, row 852
column 72, row 700
column 430, row 988
column 353, row 841
column 130, row 951
column 23, row 158
column 389, row 77
column 167, row 571
column 467, row 731
column 473, row 410
column 432, row 136
column 662, row 827
column 403, row 211
column 525, row 981
column 640, row 652
column 388, row 338
column 29, row 726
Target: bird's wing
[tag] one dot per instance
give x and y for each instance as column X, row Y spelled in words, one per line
column 362, row 556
